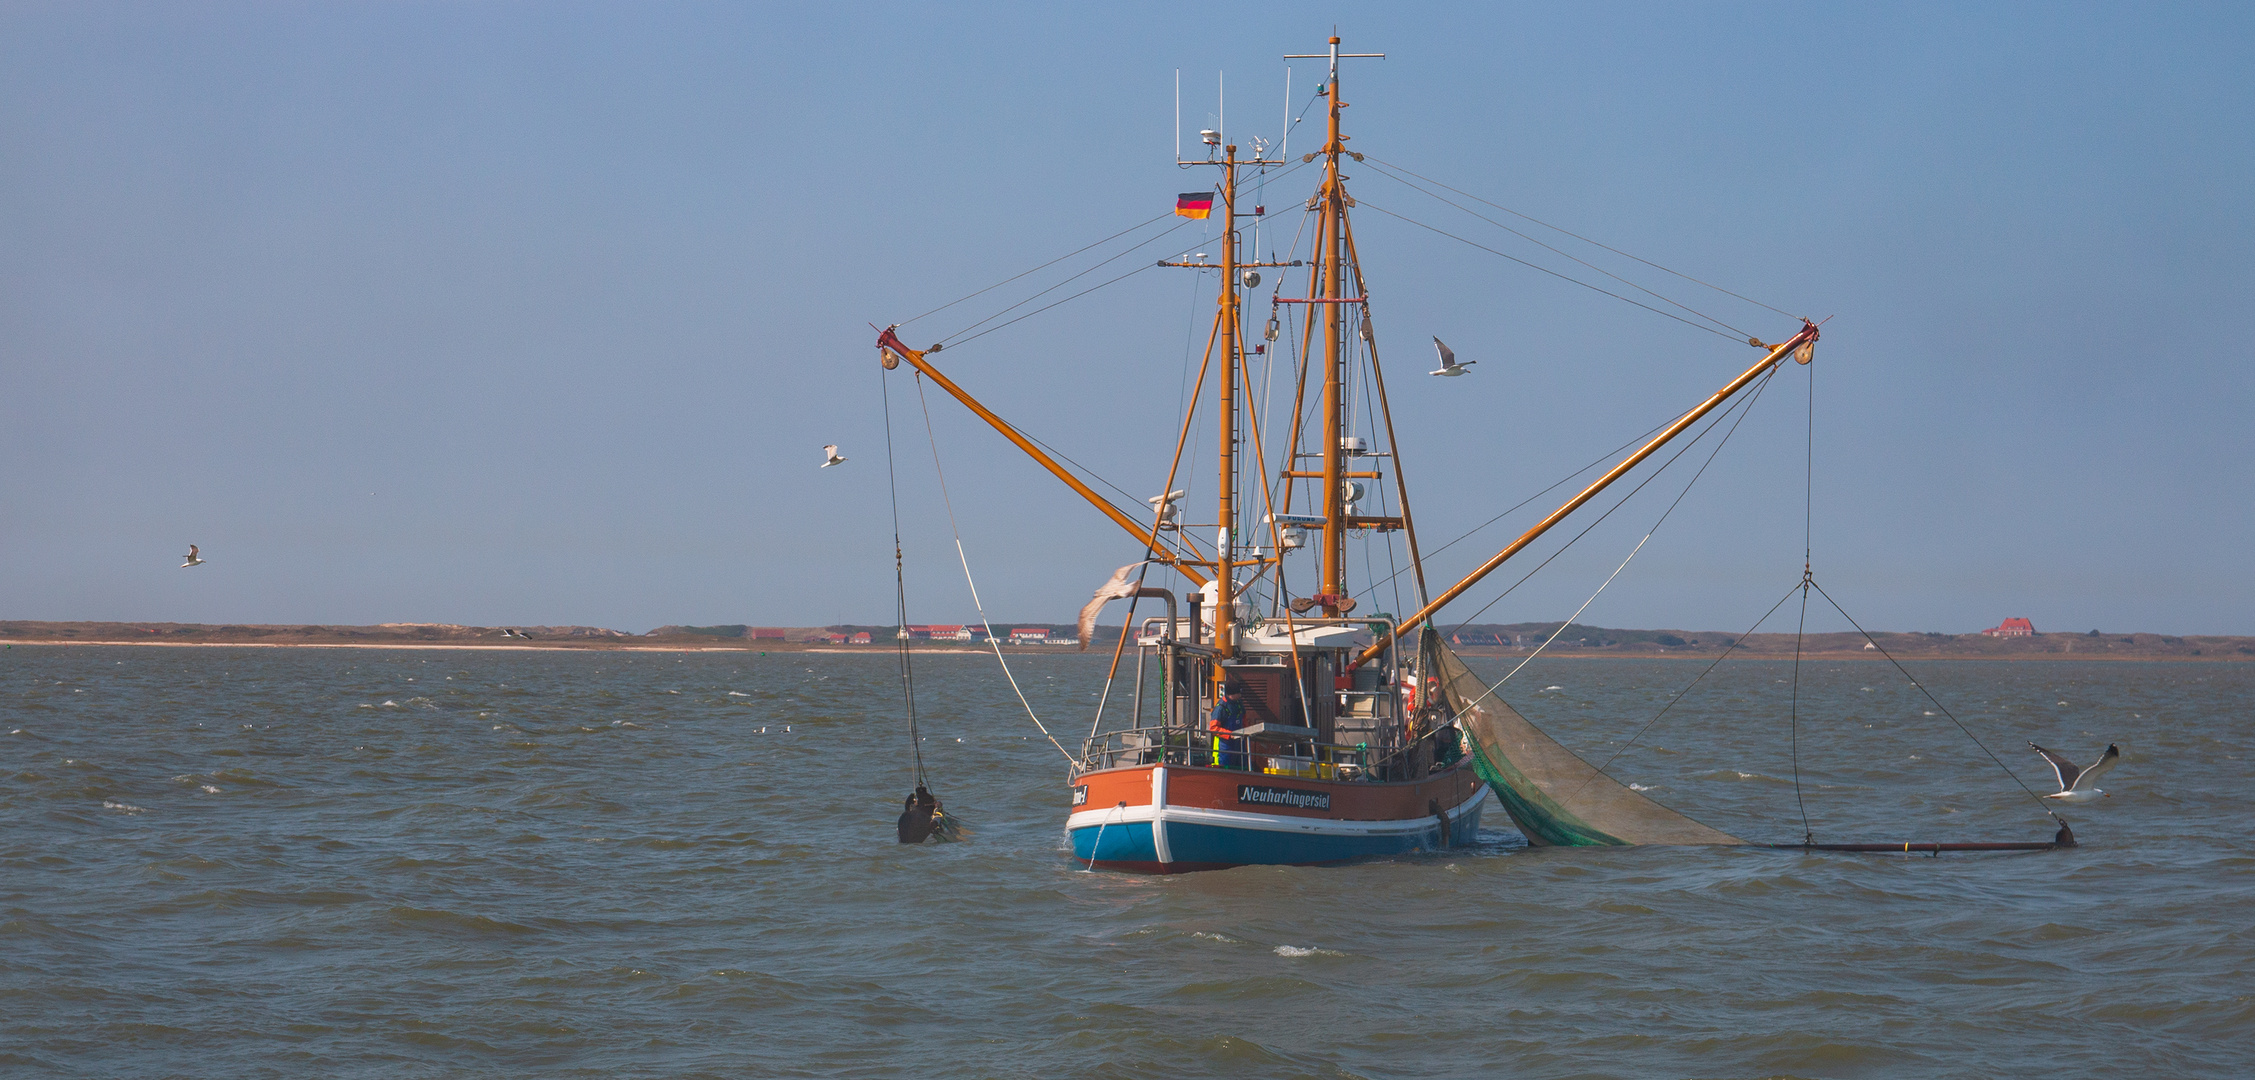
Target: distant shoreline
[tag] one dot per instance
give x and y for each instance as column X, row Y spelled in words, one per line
column 1486, row 642
column 560, row 646
column 1471, row 653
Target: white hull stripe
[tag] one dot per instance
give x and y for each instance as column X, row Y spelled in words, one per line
column 1242, row 819
column 1159, row 802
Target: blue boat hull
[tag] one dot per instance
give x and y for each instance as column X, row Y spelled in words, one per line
column 1137, row 845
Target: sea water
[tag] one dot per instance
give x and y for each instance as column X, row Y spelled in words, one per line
column 238, row 862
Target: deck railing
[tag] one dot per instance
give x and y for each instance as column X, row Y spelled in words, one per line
column 1303, row 758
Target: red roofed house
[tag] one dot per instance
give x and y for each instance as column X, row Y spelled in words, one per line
column 2012, row 628
column 861, row 638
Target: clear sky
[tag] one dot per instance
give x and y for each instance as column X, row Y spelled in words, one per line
column 539, row 313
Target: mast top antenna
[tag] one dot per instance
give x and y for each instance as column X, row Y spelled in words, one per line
column 1335, row 56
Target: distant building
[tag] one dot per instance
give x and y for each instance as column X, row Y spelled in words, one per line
column 2012, row 628
column 764, row 633
column 939, row 632
column 861, row 638
column 1029, row 635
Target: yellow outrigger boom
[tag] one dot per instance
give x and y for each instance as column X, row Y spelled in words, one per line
column 891, row 343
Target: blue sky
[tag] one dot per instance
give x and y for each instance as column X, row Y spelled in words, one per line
column 538, row 313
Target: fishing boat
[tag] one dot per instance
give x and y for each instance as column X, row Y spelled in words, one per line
column 1270, row 717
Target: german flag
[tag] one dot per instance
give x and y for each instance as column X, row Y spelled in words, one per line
column 1194, row 204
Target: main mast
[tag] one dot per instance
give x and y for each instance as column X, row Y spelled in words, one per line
column 1225, row 543
column 1334, row 583
column 1330, row 281
column 1228, row 339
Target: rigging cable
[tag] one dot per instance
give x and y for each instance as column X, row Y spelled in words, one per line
column 1809, row 581
column 1370, row 416
column 1587, row 240
column 1793, row 715
column 900, row 590
column 1037, row 269
column 1555, row 485
column 1537, row 266
column 1711, row 455
column 959, row 337
column 1561, row 254
column 1882, row 649
column 1808, row 578
column 1747, row 402
column 966, row 560
column 1729, row 648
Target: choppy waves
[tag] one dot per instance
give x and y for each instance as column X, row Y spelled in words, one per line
column 269, row 863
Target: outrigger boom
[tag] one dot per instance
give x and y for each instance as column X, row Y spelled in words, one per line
column 891, row 343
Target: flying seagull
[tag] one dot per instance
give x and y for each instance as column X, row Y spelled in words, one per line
column 831, row 453
column 1118, row 588
column 2075, row 784
column 1449, row 366
column 193, row 558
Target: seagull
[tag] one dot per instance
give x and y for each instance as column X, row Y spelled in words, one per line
column 1449, row 366
column 193, row 558
column 1118, row 588
column 2074, row 783
column 831, row 452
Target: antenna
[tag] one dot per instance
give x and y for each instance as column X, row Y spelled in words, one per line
column 1178, row 116
column 1334, row 56
column 1284, row 151
column 1221, row 106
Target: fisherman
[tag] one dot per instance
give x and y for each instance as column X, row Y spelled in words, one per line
column 1229, row 715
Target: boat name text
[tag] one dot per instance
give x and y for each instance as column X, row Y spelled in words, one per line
column 1269, row 796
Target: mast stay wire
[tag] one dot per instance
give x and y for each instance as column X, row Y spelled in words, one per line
column 1367, row 204
column 1747, row 403
column 1929, row 695
column 1555, row 485
column 1370, row 416
column 1561, row 254
column 959, row 338
column 1037, row 269
column 991, row 329
column 948, row 502
column 900, row 592
column 1809, row 581
column 1661, row 520
column 1587, row 240
column 1793, row 715
column 1688, row 687
column 1808, row 577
